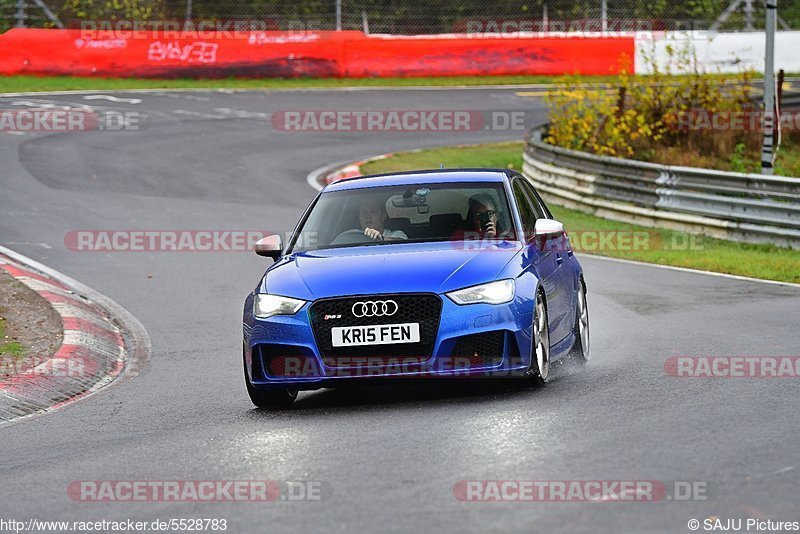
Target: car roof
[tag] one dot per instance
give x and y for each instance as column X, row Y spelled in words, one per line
column 424, row 176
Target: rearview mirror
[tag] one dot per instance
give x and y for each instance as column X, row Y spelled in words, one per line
column 270, row 246
column 547, row 228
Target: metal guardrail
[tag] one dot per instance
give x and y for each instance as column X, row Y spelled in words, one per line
column 728, row 205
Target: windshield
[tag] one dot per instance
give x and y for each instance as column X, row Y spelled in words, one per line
column 407, row 213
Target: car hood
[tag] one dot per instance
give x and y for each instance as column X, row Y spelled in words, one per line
column 395, row 268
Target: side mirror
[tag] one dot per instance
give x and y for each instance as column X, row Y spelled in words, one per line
column 547, row 228
column 269, row 246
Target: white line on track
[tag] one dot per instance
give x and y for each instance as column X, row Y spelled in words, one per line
column 197, row 114
column 51, row 104
column 693, row 271
column 113, row 99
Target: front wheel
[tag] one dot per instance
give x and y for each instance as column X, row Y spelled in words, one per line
column 272, row 399
column 580, row 350
column 539, row 370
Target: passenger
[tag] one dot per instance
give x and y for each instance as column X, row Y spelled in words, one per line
column 482, row 216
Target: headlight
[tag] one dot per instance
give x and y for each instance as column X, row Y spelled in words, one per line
column 265, row 306
column 491, row 293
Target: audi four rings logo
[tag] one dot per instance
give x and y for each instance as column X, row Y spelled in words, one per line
column 375, row 308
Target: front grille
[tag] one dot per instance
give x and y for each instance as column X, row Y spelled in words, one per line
column 425, row 309
column 481, row 349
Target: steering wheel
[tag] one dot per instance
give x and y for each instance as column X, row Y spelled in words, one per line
column 350, row 237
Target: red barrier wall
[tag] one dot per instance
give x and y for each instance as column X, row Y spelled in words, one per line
column 321, row 54
column 464, row 56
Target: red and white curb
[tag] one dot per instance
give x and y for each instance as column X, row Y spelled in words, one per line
column 101, row 341
column 327, row 174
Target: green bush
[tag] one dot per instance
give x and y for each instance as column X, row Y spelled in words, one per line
column 635, row 115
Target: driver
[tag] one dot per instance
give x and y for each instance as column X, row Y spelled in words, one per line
column 372, row 217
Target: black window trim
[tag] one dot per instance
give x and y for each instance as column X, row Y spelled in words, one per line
column 530, row 206
column 539, row 200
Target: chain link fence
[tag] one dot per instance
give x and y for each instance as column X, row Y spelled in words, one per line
column 409, row 17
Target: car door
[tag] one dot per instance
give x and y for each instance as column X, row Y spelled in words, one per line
column 537, row 259
column 565, row 274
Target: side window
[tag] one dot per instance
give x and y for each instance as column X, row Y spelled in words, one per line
column 541, row 210
column 526, row 211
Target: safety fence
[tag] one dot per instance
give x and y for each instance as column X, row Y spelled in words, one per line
column 414, row 17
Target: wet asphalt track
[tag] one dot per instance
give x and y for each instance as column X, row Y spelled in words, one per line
column 388, row 458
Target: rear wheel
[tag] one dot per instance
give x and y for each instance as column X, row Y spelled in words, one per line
column 580, row 350
column 539, row 370
column 273, row 399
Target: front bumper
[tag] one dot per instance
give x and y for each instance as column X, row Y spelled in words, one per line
column 473, row 341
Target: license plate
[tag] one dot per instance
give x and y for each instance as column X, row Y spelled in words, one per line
column 379, row 334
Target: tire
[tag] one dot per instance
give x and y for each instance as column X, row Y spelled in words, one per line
column 580, row 350
column 271, row 399
column 539, row 370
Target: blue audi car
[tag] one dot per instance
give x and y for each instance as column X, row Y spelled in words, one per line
column 434, row 274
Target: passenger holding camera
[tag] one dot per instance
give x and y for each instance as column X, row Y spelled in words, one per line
column 482, row 216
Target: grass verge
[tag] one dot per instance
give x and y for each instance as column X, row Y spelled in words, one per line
column 671, row 248
column 18, row 84
column 23, row 84
column 744, row 157
column 10, row 348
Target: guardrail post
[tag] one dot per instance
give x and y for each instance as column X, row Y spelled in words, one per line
column 767, row 150
column 20, row 14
